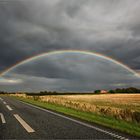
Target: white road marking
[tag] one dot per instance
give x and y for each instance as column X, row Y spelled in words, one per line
column 2, row 118
column 79, row 122
column 9, row 108
column 1, row 99
column 4, row 103
column 24, row 124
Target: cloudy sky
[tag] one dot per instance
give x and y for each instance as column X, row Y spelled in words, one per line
column 32, row 27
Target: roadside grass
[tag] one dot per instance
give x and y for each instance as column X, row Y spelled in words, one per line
column 123, row 126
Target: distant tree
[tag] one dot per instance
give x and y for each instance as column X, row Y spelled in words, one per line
column 111, row 91
column 3, row 92
column 97, row 91
column 125, row 90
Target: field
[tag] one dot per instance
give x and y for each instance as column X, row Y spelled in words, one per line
column 121, row 106
column 129, row 101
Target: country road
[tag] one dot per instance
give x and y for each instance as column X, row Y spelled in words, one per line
column 19, row 120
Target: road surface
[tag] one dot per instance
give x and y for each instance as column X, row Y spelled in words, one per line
column 20, row 120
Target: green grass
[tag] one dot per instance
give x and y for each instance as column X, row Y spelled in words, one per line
column 127, row 127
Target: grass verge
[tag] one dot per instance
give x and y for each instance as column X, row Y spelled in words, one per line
column 123, row 126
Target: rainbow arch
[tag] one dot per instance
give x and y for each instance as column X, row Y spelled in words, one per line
column 70, row 51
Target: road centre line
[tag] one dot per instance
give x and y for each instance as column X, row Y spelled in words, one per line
column 2, row 118
column 9, row 108
column 79, row 122
column 4, row 103
column 24, row 124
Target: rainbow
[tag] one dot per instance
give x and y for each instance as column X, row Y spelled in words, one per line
column 70, row 51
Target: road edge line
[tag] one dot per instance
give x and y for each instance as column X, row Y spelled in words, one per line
column 9, row 108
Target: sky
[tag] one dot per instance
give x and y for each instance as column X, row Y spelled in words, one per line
column 32, row 27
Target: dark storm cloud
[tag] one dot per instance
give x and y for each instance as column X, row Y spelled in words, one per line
column 68, row 72
column 30, row 27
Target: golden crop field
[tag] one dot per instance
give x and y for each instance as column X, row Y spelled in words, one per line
column 122, row 106
column 129, row 101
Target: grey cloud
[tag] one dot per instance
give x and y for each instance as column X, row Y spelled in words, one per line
column 72, row 72
column 32, row 27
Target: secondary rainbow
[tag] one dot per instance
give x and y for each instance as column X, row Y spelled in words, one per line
column 69, row 51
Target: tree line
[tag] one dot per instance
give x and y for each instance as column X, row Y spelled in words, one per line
column 125, row 90
column 41, row 93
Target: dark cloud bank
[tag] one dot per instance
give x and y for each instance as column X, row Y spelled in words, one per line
column 30, row 27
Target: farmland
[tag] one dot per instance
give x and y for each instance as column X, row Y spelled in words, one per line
column 121, row 106
column 127, row 101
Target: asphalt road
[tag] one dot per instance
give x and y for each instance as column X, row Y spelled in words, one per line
column 19, row 120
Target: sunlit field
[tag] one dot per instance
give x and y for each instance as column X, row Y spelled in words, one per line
column 120, row 106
